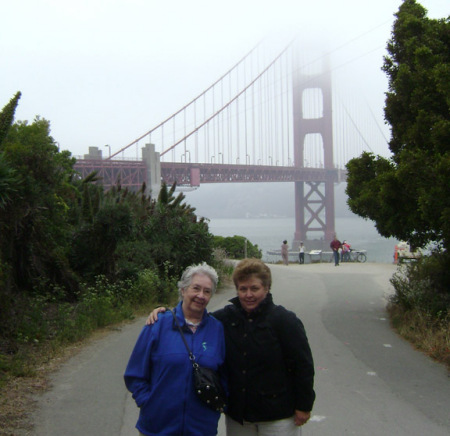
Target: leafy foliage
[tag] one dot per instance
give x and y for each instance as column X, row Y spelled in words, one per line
column 125, row 232
column 175, row 234
column 8, row 177
column 62, row 237
column 423, row 286
column 408, row 196
column 7, row 116
column 94, row 244
column 8, row 182
column 34, row 221
column 237, row 247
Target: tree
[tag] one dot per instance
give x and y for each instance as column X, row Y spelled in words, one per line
column 35, row 223
column 8, row 176
column 175, row 235
column 7, row 116
column 123, row 233
column 8, row 182
column 408, row 195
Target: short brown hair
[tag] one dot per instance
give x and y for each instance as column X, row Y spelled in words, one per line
column 252, row 267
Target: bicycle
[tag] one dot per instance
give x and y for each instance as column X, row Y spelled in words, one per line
column 355, row 256
column 352, row 256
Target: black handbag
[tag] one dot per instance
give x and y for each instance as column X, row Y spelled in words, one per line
column 207, row 384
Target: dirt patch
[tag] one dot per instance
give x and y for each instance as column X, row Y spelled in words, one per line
column 20, row 395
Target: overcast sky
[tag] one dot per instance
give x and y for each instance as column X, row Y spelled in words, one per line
column 106, row 71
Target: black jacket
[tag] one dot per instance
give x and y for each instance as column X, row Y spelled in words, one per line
column 269, row 362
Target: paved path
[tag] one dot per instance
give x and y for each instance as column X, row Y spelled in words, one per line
column 368, row 380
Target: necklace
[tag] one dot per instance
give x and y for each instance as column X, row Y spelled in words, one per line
column 192, row 325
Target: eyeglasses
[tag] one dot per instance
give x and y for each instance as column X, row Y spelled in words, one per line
column 198, row 289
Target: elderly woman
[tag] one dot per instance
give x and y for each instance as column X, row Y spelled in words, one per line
column 268, row 359
column 159, row 372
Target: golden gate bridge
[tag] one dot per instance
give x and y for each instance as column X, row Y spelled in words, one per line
column 269, row 118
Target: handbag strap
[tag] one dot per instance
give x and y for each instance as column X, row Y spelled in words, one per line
column 191, row 355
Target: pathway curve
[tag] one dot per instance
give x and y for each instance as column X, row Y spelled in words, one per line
column 368, row 380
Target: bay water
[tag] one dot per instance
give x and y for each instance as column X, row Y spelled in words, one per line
column 269, row 233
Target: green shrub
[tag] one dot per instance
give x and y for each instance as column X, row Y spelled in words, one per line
column 424, row 285
column 134, row 256
column 237, row 247
column 33, row 326
column 151, row 289
column 222, row 264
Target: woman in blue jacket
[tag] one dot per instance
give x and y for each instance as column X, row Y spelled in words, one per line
column 159, row 372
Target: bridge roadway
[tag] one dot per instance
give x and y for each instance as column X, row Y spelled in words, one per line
column 216, row 173
column 368, row 380
column 133, row 173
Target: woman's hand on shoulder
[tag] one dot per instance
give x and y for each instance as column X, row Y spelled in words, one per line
column 153, row 317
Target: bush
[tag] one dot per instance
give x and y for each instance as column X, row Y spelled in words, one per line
column 47, row 321
column 149, row 288
column 237, row 247
column 134, row 257
column 419, row 309
column 223, row 265
column 424, row 285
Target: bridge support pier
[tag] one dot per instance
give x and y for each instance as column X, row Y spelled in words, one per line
column 153, row 164
column 314, row 201
column 313, row 214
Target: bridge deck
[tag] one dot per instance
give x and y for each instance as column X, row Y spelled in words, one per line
column 133, row 173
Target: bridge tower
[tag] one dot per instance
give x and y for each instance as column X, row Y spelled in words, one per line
column 314, row 201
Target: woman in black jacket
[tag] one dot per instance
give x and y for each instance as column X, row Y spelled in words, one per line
column 269, row 361
column 268, row 358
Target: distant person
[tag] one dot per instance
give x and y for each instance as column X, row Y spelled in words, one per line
column 335, row 246
column 159, row 373
column 285, row 252
column 268, row 359
column 345, row 253
column 301, row 253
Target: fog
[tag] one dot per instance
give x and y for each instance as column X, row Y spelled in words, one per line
column 106, row 71
column 245, row 200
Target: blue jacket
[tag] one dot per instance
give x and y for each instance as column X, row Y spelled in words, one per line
column 159, row 375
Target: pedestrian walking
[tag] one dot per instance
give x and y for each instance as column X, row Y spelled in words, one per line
column 335, row 246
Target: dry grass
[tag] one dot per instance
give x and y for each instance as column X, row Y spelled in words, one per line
column 17, row 403
column 427, row 335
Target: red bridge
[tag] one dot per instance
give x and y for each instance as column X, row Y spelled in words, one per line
column 274, row 124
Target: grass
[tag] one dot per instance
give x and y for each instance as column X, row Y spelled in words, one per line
column 428, row 335
column 420, row 307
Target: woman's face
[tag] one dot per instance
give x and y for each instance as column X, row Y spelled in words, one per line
column 251, row 292
column 197, row 295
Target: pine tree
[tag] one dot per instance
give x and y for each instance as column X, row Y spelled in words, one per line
column 7, row 116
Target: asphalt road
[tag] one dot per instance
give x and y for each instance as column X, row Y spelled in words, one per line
column 368, row 380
